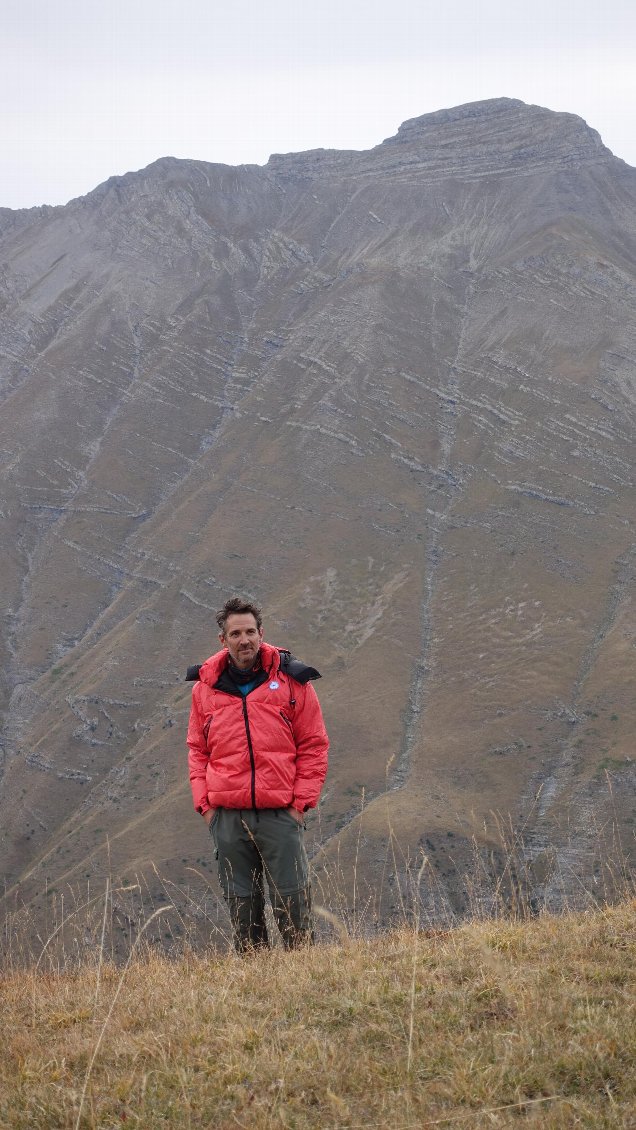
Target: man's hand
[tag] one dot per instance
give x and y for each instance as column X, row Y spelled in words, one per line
column 209, row 816
column 298, row 816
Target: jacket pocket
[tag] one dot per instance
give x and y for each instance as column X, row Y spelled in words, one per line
column 286, row 719
column 206, row 728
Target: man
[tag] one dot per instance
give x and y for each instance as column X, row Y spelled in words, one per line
column 258, row 760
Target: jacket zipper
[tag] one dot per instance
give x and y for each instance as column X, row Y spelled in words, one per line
column 251, row 750
column 286, row 719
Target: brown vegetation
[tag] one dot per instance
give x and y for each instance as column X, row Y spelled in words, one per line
column 489, row 1024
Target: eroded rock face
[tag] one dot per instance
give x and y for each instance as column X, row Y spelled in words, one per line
column 389, row 394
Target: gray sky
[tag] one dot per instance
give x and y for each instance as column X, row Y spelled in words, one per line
column 89, row 90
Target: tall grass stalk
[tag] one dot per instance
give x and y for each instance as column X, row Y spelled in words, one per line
column 113, row 1002
column 101, row 946
column 416, row 932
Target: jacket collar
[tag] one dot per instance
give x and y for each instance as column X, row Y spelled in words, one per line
column 210, row 671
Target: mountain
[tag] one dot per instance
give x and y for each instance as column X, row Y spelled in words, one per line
column 389, row 394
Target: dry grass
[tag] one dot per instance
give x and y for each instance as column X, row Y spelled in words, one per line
column 490, row 1024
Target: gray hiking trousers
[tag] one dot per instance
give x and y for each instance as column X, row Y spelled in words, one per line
column 254, row 847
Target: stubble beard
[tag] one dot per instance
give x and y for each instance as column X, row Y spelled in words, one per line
column 246, row 658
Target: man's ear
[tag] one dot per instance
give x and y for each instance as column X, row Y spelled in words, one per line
column 222, row 639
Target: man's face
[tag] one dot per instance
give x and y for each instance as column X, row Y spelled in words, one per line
column 242, row 639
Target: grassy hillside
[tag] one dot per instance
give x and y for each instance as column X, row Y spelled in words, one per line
column 495, row 1023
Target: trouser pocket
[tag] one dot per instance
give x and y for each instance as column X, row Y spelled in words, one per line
column 282, row 843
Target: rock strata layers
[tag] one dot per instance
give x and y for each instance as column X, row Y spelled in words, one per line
column 389, row 394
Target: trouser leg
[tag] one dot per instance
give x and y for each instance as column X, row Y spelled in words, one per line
column 241, row 878
column 280, row 839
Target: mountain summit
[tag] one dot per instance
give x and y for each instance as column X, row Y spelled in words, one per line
column 501, row 133
column 391, row 395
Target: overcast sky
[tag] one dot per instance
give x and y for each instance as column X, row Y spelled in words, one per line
column 89, row 90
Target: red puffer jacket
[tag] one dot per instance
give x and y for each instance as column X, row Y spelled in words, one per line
column 264, row 750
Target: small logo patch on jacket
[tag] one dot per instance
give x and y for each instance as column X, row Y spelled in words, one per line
column 273, row 686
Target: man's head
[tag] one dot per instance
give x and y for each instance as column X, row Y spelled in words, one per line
column 241, row 631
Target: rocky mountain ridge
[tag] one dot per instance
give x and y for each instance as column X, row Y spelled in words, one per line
column 390, row 394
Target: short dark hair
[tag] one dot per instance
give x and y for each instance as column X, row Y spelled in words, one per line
column 236, row 605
